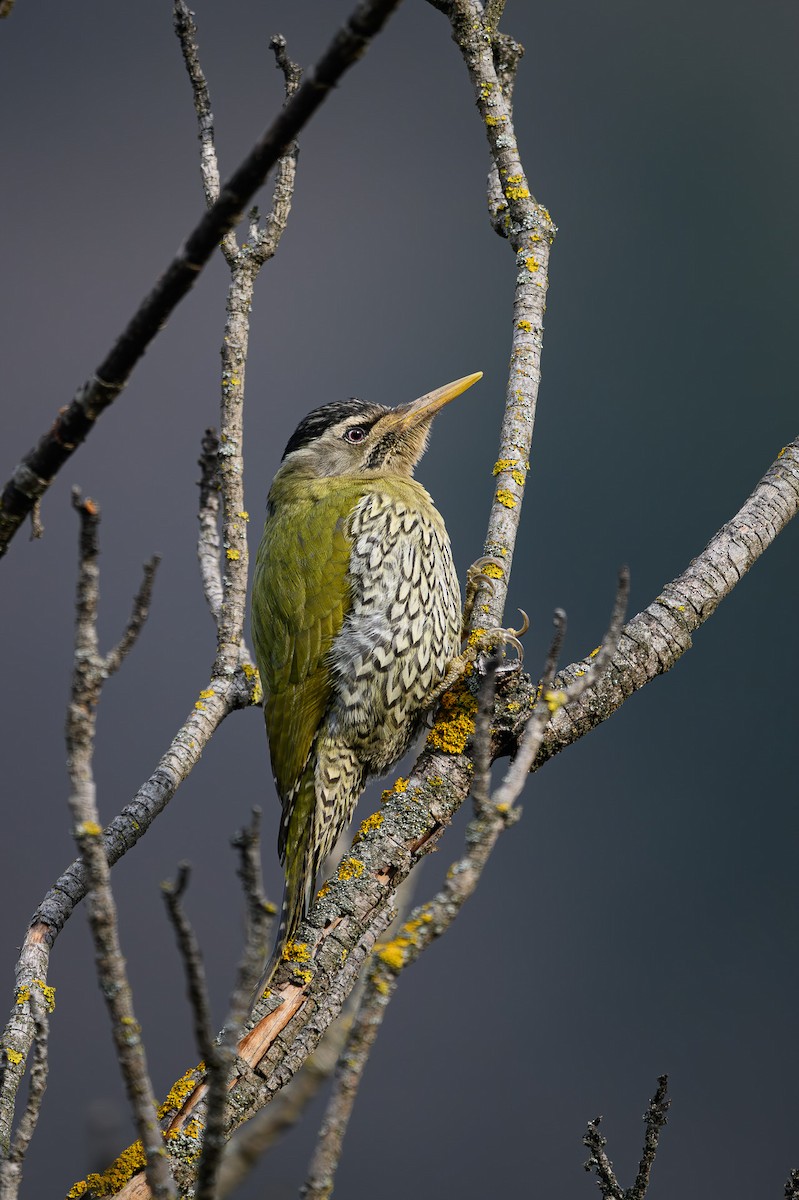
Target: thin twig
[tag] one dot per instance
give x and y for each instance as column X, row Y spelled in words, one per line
column 191, row 957
column 36, row 471
column 792, row 1185
column 553, row 700
column 89, row 673
column 655, row 1118
column 139, row 614
column 600, row 1163
column 208, row 540
column 220, row 1054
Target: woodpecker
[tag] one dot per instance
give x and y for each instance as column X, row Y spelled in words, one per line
column 356, row 620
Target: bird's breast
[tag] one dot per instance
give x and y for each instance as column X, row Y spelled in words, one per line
column 403, row 627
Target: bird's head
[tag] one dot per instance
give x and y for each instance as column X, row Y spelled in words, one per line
column 352, row 437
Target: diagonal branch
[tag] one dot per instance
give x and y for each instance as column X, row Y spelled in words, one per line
column 493, row 814
column 34, row 474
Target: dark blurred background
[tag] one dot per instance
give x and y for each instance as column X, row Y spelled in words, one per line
column 663, row 140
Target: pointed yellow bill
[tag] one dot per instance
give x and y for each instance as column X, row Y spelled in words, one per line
column 426, row 407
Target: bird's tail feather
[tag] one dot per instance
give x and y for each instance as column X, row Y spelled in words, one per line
column 301, row 868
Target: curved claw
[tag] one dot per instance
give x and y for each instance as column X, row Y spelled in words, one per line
column 518, row 633
column 512, row 640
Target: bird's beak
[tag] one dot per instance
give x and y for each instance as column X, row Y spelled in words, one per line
column 426, row 407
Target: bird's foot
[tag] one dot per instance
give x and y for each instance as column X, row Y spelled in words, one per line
column 477, row 577
column 482, row 644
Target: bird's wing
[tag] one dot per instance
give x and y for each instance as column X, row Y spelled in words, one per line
column 301, row 594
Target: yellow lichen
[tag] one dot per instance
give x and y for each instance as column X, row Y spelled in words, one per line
column 180, row 1090
column 198, row 704
column 525, row 325
column 532, row 263
column 397, row 788
column 454, row 724
column 14, row 1056
column 89, row 829
column 296, row 952
column 204, row 695
column 393, row 952
column 594, row 652
column 48, row 994
column 232, row 554
column 518, row 477
column 517, row 193
column 554, row 700
column 507, row 498
column 114, row 1178
column 493, row 571
column 324, row 889
column 373, row 822
column 381, row 986
column 252, row 676
column 492, row 122
column 350, row 868
column 22, row 995
column 245, row 516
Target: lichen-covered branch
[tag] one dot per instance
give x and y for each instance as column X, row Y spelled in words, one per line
column 491, row 59
column 654, row 640
column 72, row 425
column 492, row 814
column 351, row 909
column 40, row 1002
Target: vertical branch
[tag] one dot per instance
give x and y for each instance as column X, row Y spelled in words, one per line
column 491, row 60
column 244, row 263
column 89, row 672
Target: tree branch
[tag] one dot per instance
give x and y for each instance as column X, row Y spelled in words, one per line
column 530, row 230
column 34, row 474
column 89, row 674
column 654, row 640
column 655, row 1118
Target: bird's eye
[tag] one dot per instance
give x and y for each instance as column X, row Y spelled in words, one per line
column 354, row 435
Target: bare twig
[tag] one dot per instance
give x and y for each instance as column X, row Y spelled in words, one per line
column 90, row 671
column 792, row 1185
column 220, row 1054
column 655, row 1118
column 36, row 471
column 191, row 957
column 600, row 1163
column 208, row 540
column 553, row 700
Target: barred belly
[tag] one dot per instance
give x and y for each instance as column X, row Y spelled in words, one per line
column 402, row 630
